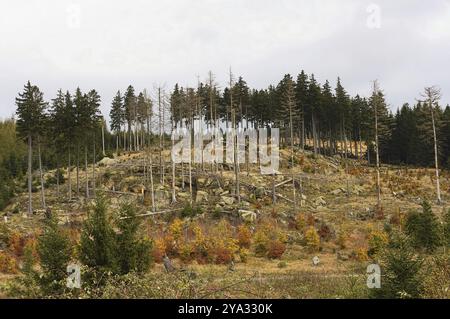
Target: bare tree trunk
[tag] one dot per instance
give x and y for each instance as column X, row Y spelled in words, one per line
column 86, row 171
column 274, row 196
column 57, row 178
column 152, row 186
column 124, row 139
column 234, row 136
column 93, row 168
column 103, row 139
column 436, row 160
column 174, row 197
column 313, row 122
column 160, row 136
column 117, row 143
column 69, row 173
column 78, row 170
column 375, row 88
column 30, row 175
column 41, row 176
column 292, row 152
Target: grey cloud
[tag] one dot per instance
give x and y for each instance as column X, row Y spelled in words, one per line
column 147, row 42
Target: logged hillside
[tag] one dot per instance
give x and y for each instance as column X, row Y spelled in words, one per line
column 216, row 242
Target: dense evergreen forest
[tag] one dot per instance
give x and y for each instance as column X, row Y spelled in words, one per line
column 69, row 130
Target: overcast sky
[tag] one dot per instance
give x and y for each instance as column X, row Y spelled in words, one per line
column 107, row 45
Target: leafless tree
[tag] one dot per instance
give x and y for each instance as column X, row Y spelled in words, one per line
column 375, row 106
column 433, row 95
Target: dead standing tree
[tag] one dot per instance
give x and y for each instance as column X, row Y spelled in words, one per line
column 234, row 139
column 433, row 95
column 375, row 107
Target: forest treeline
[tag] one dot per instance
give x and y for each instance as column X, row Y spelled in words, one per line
column 70, row 131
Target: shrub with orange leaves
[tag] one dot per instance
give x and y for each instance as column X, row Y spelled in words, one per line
column 244, row 236
column 220, row 245
column 174, row 237
column 342, row 239
column 360, row 254
column 31, row 244
column 312, row 239
column 223, row 255
column 16, row 244
column 300, row 222
column 243, row 255
column 159, row 250
column 275, row 249
column 268, row 236
column 176, row 229
column 186, row 252
column 310, row 220
column 8, row 264
column 200, row 244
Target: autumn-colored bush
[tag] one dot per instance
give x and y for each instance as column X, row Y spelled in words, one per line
column 200, row 244
column 325, row 232
column 312, row 239
column 261, row 241
column 170, row 245
column 244, row 236
column 342, row 239
column 8, row 264
column 268, row 236
column 223, row 255
column 16, row 244
column 276, row 249
column 186, row 252
column 360, row 254
column 159, row 250
column 310, row 220
column 222, row 246
column 31, row 244
column 176, row 229
column 243, row 255
column 300, row 221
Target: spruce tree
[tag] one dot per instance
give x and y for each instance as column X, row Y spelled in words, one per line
column 97, row 244
column 401, row 271
column 446, row 228
column 117, row 117
column 423, row 228
column 133, row 253
column 54, row 254
column 30, row 124
column 129, row 104
column 301, row 93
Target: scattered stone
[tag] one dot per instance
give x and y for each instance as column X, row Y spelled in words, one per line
column 248, row 215
column 259, row 192
column 342, row 256
column 227, row 200
column 336, row 192
column 183, row 195
column 106, row 161
column 320, row 201
column 202, row 196
column 316, row 261
column 138, row 189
